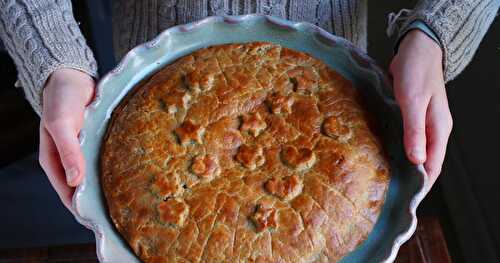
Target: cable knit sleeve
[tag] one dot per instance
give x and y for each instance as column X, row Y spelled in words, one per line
column 460, row 25
column 42, row 36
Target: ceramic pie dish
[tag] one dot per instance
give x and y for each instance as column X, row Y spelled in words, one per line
column 397, row 220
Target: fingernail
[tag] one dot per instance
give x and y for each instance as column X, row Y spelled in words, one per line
column 418, row 154
column 71, row 175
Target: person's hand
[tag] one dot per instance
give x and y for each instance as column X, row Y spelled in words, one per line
column 420, row 92
column 65, row 97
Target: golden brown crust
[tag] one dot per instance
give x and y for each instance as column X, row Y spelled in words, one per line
column 243, row 153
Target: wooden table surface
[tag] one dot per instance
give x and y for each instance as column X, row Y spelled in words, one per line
column 426, row 246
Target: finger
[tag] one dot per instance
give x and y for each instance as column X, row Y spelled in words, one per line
column 439, row 123
column 65, row 137
column 49, row 160
column 413, row 110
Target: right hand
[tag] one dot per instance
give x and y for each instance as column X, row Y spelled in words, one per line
column 65, row 96
column 420, row 92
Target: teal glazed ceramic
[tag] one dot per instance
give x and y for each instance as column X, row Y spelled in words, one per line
column 408, row 185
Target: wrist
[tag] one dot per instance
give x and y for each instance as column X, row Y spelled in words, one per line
column 81, row 83
column 417, row 40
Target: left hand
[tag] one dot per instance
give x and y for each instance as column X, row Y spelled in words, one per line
column 65, row 96
column 420, row 92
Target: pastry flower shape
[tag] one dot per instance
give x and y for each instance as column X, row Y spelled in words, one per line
column 332, row 127
column 285, row 188
column 299, row 159
column 253, row 123
column 205, row 167
column 250, row 157
column 279, row 103
column 188, row 131
column 167, row 185
column 264, row 217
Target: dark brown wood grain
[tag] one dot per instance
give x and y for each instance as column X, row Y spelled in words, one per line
column 426, row 246
column 84, row 253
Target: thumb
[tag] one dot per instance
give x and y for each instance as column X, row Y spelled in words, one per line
column 65, row 136
column 414, row 112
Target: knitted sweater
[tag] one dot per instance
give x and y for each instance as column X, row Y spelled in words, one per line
column 42, row 35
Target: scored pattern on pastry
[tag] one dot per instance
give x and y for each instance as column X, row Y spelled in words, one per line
column 174, row 102
column 243, row 153
column 199, row 82
column 173, row 211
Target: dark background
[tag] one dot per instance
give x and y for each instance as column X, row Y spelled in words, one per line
column 466, row 198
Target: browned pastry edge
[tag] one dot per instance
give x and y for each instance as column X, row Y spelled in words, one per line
column 283, row 191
